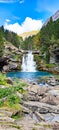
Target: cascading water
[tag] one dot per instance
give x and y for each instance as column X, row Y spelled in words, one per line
column 28, row 63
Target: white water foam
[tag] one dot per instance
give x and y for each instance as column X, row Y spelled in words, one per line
column 28, row 63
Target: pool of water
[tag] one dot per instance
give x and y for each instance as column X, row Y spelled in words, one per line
column 31, row 76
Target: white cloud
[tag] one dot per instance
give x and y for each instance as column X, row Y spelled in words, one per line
column 16, row 18
column 28, row 25
column 7, row 20
column 8, row 1
column 21, row 1
column 12, row 1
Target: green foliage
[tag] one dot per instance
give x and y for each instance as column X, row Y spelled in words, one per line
column 13, row 99
column 32, row 42
column 17, row 115
column 47, row 57
column 33, row 128
column 3, row 79
column 4, row 92
column 49, row 34
column 51, row 65
column 9, row 36
column 1, row 43
column 1, row 103
column 19, row 86
column 8, row 95
column 13, row 38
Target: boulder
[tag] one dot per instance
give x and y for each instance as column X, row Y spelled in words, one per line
column 43, row 110
column 50, row 99
column 33, row 88
column 39, row 116
column 12, row 66
column 9, row 80
column 5, row 68
column 42, row 90
column 19, row 95
column 3, row 61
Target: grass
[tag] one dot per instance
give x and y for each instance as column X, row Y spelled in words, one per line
column 10, row 92
column 4, row 92
column 3, row 79
column 17, row 115
column 1, row 103
column 33, row 129
column 51, row 65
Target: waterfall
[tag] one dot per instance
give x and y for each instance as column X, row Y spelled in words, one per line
column 28, row 63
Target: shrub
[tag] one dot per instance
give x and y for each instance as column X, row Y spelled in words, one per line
column 13, row 99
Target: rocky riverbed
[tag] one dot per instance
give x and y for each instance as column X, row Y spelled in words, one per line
column 39, row 109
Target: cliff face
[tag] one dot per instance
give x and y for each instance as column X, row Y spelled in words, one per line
column 54, row 17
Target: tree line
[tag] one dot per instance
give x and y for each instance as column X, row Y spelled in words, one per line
column 9, row 36
column 46, row 37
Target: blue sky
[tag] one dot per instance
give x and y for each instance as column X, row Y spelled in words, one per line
column 26, row 15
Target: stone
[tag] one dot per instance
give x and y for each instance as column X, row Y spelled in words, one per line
column 42, row 90
column 3, row 61
column 55, row 126
column 13, row 66
column 26, row 110
column 19, row 95
column 56, row 118
column 50, row 99
column 6, row 119
column 5, row 112
column 13, row 60
column 54, row 92
column 33, row 88
column 39, row 116
column 5, row 68
column 9, row 80
column 39, row 105
column 43, row 110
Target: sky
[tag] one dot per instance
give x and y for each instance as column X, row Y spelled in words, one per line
column 22, row 16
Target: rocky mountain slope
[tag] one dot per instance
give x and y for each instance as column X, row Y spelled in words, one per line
column 27, row 34
column 54, row 17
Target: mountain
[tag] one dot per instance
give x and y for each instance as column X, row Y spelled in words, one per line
column 27, row 34
column 54, row 17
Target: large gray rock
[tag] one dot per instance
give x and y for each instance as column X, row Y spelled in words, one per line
column 42, row 90
column 50, row 99
column 13, row 66
column 39, row 116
